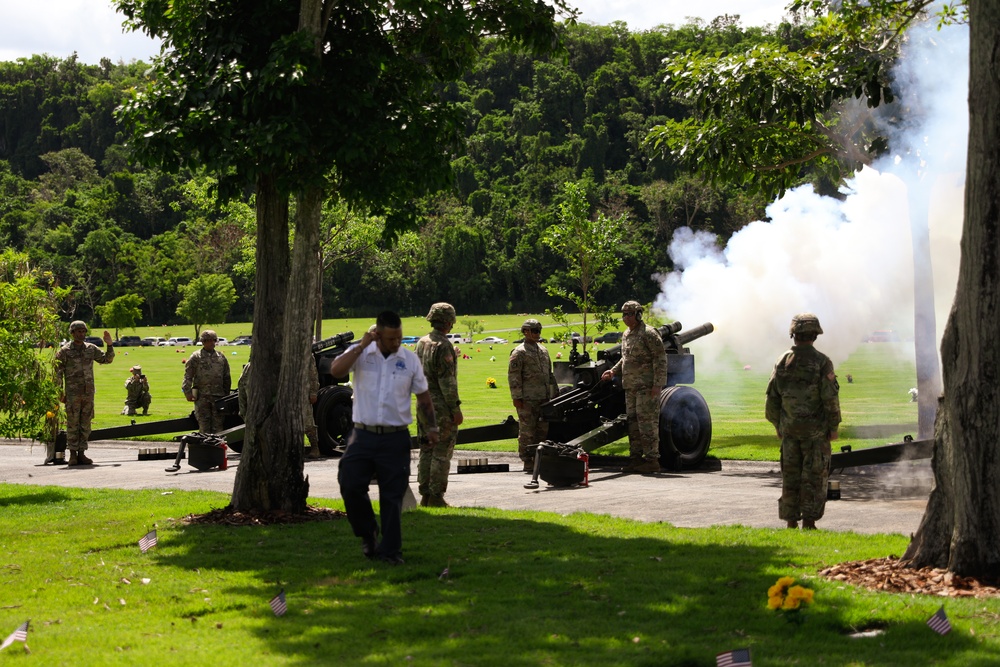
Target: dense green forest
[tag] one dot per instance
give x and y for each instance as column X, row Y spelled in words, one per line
column 75, row 202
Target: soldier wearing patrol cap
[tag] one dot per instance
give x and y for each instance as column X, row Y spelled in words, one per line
column 207, row 379
column 643, row 369
column 440, row 364
column 137, row 392
column 804, row 406
column 531, row 382
column 75, row 379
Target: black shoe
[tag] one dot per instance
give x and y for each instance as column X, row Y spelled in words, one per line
column 369, row 544
column 391, row 560
column 50, row 461
column 174, row 468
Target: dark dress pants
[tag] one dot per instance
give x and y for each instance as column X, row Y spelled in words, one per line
column 386, row 456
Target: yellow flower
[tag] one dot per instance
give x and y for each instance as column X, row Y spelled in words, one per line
column 774, row 602
column 800, row 593
column 790, row 603
column 49, row 415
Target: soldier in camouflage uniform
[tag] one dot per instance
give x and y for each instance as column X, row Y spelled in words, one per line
column 206, row 379
column 803, row 405
column 137, row 392
column 529, row 375
column 643, row 369
column 75, row 378
column 437, row 356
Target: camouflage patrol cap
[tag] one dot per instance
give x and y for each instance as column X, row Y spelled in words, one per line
column 208, row 334
column 531, row 324
column 632, row 307
column 77, row 324
column 442, row 313
column 805, row 323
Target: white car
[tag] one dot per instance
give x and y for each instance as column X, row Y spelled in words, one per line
column 154, row 340
column 491, row 340
column 457, row 339
column 181, row 341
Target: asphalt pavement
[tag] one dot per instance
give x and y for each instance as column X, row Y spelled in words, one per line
column 888, row 498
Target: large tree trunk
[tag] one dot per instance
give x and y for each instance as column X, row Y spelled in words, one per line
column 252, row 488
column 961, row 527
column 270, row 476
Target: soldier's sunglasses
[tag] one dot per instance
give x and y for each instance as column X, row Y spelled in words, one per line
column 532, row 330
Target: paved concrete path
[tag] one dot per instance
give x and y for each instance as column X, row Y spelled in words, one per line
column 876, row 499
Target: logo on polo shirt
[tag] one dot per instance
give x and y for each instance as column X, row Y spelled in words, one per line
column 400, row 365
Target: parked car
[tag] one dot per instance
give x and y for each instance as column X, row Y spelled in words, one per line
column 128, row 341
column 179, row 341
column 609, row 337
column 410, row 340
column 491, row 340
column 96, row 340
column 457, row 339
column 153, row 340
column 243, row 339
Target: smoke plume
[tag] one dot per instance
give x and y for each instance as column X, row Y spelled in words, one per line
column 851, row 261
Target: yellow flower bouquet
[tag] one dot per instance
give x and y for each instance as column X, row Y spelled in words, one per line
column 491, row 383
column 789, row 599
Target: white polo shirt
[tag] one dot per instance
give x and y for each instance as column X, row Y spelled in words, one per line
column 383, row 385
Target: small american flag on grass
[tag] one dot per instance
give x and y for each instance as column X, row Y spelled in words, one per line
column 19, row 635
column 738, row 658
column 278, row 604
column 148, row 541
column 939, row 622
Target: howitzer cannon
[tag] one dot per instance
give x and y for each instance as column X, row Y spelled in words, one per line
column 332, row 410
column 591, row 412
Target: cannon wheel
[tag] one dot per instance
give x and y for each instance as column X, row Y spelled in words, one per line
column 333, row 418
column 686, row 422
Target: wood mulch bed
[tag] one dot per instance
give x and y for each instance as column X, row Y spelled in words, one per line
column 891, row 575
column 226, row 516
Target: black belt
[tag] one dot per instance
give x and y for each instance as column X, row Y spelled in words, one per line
column 381, row 429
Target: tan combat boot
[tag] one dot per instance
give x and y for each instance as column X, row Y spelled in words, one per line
column 647, row 465
column 73, row 458
column 82, row 459
column 633, row 461
column 436, row 501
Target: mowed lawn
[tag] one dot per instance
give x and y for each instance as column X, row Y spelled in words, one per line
column 876, row 407
column 480, row 587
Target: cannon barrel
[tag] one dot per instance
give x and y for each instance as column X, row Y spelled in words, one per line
column 333, row 341
column 668, row 330
column 694, row 334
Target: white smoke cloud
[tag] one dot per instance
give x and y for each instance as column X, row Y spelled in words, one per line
column 850, row 261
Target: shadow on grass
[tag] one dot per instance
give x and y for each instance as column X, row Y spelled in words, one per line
column 44, row 496
column 529, row 589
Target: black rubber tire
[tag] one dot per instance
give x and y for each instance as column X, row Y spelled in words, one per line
column 333, row 418
column 686, row 422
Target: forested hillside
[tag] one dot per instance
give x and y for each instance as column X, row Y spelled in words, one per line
column 74, row 201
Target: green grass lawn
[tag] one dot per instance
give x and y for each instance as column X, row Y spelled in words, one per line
column 876, row 406
column 523, row 588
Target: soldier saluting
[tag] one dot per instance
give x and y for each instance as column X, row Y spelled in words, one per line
column 75, row 379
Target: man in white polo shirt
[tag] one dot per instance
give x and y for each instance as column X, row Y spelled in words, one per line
column 385, row 375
